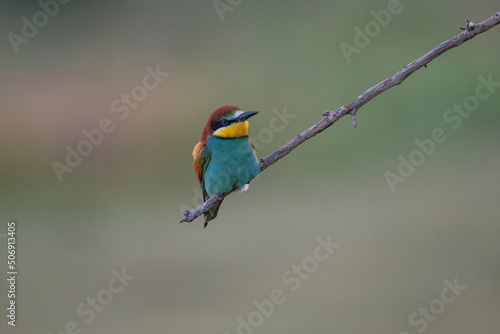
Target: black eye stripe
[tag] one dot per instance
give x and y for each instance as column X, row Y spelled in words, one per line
column 217, row 125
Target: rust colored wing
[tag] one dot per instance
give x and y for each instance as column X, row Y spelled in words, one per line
column 200, row 163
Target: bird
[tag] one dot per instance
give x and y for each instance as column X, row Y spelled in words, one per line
column 224, row 159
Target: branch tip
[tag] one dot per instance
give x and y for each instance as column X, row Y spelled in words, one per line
column 185, row 219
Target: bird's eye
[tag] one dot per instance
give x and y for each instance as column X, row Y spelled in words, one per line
column 224, row 122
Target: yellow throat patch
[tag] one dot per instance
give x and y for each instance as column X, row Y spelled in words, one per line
column 235, row 130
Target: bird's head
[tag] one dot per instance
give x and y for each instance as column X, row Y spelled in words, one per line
column 227, row 122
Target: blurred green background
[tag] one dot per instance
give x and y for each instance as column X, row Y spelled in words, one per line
column 121, row 206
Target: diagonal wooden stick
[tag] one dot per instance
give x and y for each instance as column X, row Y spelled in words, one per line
column 330, row 117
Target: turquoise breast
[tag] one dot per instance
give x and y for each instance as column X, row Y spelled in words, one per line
column 233, row 163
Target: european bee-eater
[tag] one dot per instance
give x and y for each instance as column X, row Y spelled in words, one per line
column 224, row 158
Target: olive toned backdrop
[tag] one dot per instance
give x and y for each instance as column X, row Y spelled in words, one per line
column 118, row 210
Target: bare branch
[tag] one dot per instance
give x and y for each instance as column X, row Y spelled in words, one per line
column 330, row 117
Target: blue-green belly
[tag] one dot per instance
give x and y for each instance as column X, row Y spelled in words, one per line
column 233, row 163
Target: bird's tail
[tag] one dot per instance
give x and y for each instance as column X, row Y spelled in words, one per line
column 212, row 213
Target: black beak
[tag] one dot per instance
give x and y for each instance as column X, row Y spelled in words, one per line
column 246, row 115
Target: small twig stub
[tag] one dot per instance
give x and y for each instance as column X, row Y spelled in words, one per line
column 469, row 26
column 354, row 118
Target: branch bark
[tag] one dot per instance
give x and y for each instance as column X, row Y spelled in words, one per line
column 330, row 117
